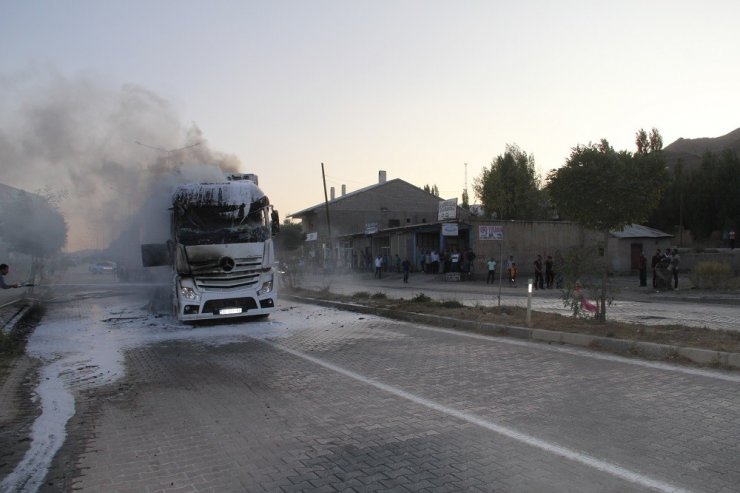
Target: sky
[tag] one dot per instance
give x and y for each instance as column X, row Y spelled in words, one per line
column 429, row 91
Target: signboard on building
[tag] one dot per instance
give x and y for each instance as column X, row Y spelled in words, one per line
column 447, row 209
column 450, row 229
column 491, row 233
column 371, row 228
column 312, row 236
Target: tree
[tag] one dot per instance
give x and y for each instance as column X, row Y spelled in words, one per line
column 510, row 187
column 603, row 190
column 290, row 238
column 702, row 199
column 33, row 225
column 465, row 203
column 433, row 190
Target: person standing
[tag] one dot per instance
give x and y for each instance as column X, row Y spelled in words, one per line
column 549, row 273
column 378, row 266
column 435, row 262
column 509, row 266
column 398, row 263
column 455, row 261
column 654, row 263
column 673, row 267
column 491, row 279
column 732, row 239
column 4, row 269
column 643, row 269
column 406, row 266
column 538, row 273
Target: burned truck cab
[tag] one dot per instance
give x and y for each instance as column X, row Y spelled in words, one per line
column 220, row 250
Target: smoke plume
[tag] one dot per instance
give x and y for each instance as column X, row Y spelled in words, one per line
column 113, row 153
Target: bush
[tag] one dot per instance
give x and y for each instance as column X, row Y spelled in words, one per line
column 379, row 296
column 361, row 295
column 421, row 298
column 711, row 275
column 451, row 304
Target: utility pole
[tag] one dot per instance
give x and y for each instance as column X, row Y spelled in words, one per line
column 326, row 201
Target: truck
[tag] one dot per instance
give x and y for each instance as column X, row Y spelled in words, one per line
column 220, row 250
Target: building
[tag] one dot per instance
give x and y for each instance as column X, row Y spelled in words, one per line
column 626, row 245
column 393, row 217
column 389, row 218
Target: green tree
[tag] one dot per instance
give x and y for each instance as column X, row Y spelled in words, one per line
column 434, row 190
column 510, row 187
column 703, row 199
column 290, row 238
column 603, row 190
column 465, row 202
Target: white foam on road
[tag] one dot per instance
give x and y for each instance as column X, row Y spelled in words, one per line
column 81, row 351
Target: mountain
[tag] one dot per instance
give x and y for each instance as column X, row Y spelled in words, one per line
column 690, row 151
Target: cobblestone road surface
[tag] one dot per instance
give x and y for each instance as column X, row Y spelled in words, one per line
column 320, row 400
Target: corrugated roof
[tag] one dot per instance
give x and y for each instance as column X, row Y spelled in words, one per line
column 639, row 231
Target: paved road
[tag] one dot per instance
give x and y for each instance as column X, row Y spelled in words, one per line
column 320, row 400
column 632, row 303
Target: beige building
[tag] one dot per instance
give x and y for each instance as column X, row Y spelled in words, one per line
column 393, row 217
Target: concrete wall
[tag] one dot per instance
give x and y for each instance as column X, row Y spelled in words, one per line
column 723, row 255
column 525, row 240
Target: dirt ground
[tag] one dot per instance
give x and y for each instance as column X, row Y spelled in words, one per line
column 675, row 335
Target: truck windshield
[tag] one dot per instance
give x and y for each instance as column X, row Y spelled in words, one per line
column 220, row 224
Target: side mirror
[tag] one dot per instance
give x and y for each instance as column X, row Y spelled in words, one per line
column 155, row 255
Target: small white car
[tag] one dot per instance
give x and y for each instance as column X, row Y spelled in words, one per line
column 102, row 266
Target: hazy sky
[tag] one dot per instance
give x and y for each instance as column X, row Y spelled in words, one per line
column 416, row 88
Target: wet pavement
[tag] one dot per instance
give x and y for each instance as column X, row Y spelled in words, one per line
column 316, row 399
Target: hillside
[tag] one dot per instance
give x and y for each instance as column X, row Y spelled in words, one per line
column 691, row 150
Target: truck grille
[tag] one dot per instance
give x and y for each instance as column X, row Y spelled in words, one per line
column 227, row 280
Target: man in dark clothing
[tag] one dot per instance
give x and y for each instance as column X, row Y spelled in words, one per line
column 406, row 266
column 539, row 279
column 549, row 273
column 654, row 262
column 643, row 269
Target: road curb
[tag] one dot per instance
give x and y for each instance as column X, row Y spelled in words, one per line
column 8, row 326
column 625, row 347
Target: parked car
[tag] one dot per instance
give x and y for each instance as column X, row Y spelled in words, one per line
column 102, row 266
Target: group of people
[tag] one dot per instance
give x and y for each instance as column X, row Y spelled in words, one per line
column 405, row 266
column 667, row 261
column 453, row 260
column 544, row 273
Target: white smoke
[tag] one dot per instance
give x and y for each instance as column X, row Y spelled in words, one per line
column 108, row 148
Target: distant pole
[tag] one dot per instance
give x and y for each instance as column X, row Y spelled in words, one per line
column 326, row 201
column 529, row 302
column 500, row 269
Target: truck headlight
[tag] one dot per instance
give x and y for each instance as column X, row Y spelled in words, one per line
column 189, row 293
column 266, row 288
